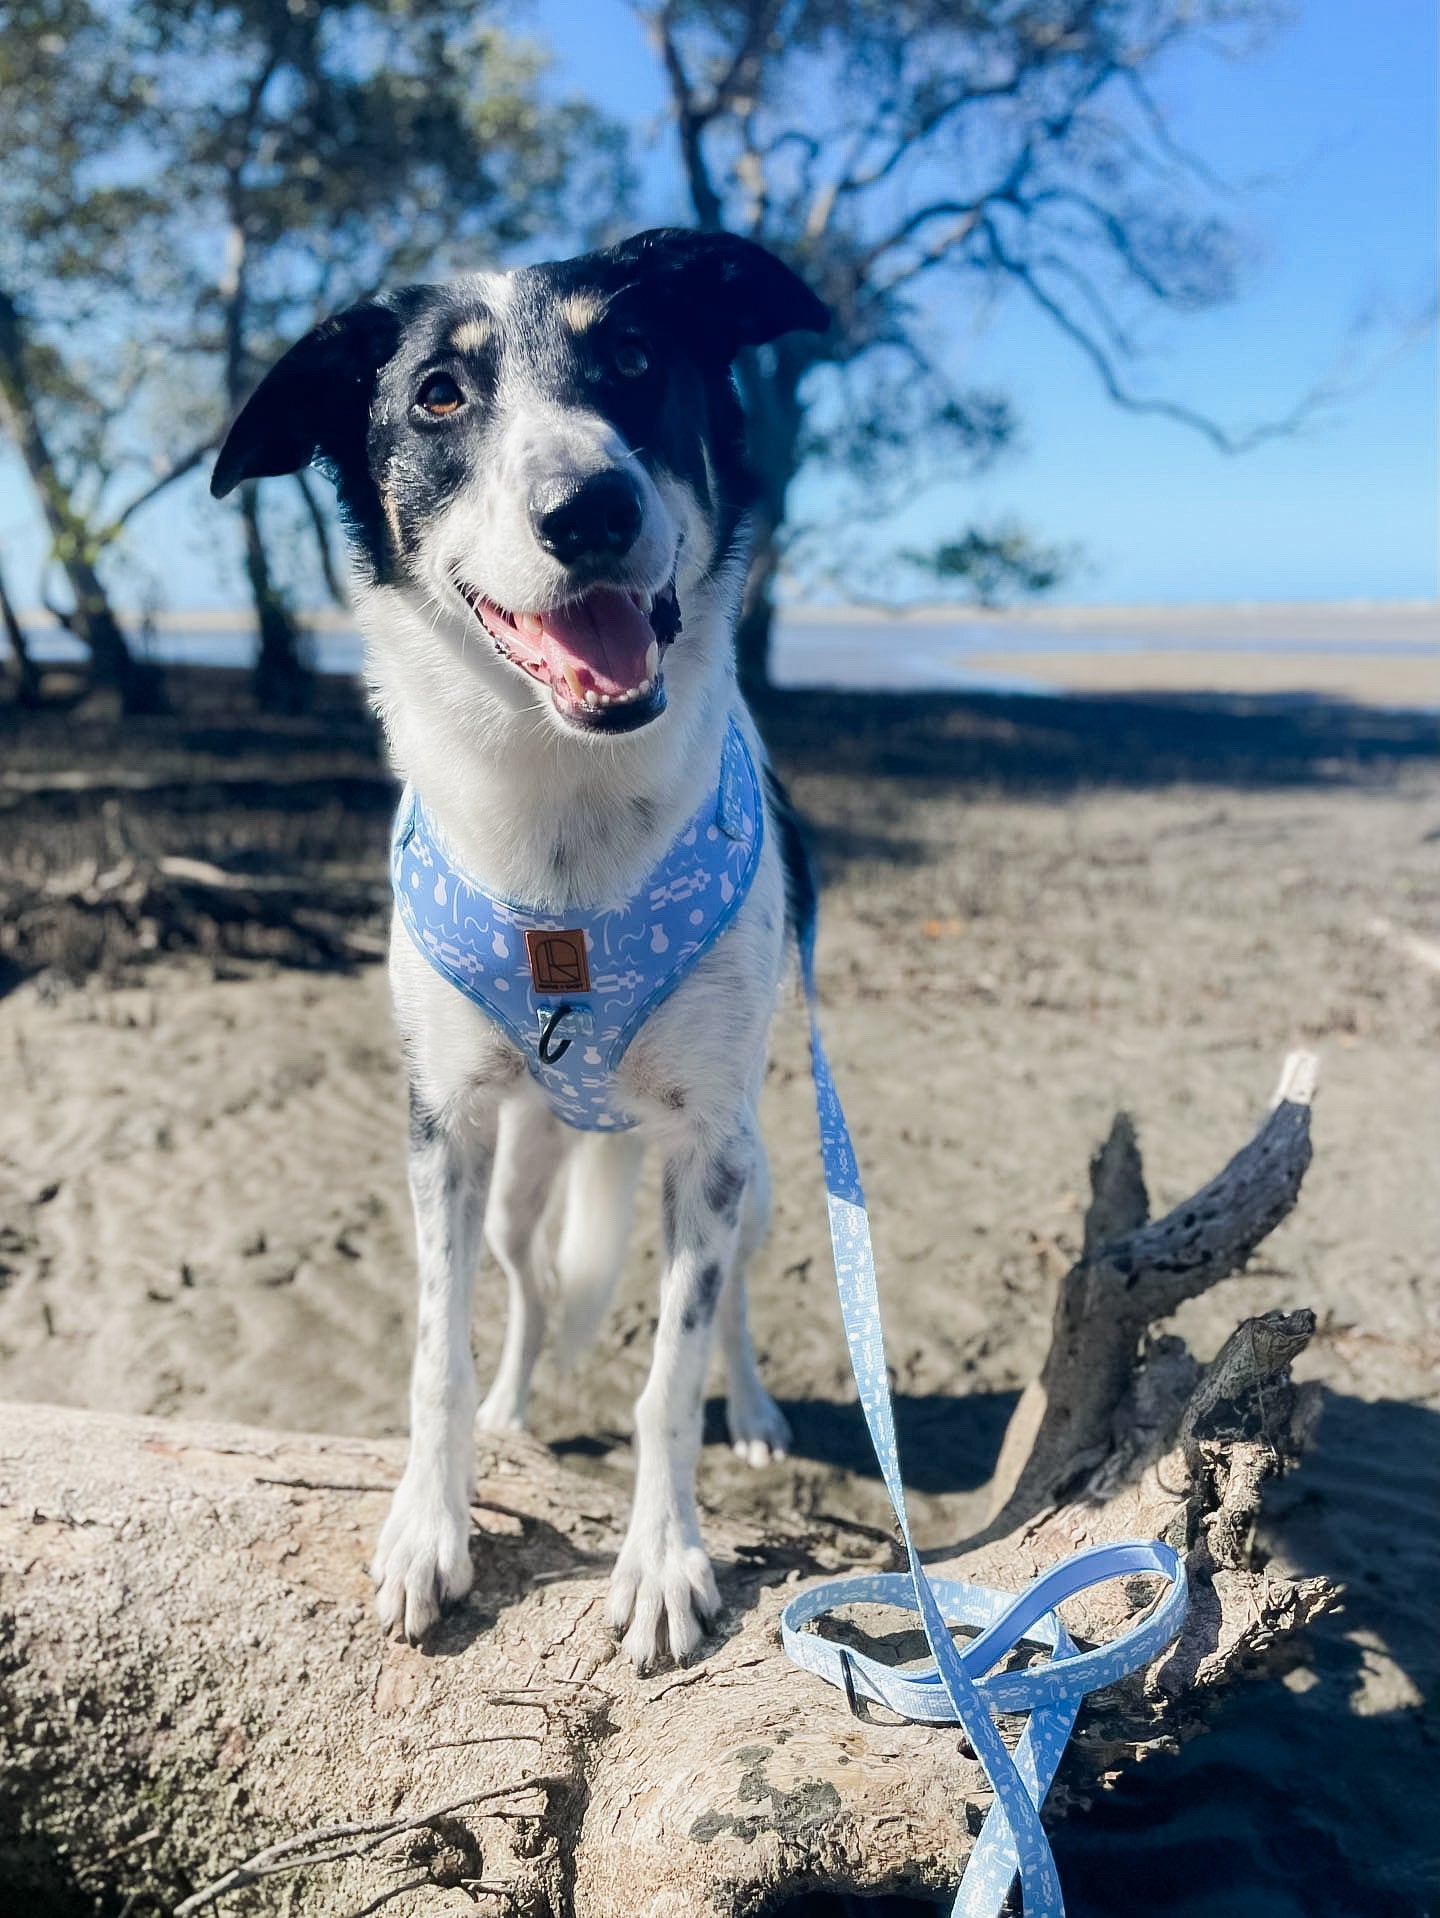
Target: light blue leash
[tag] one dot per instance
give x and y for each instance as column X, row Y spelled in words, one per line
column 955, row 1689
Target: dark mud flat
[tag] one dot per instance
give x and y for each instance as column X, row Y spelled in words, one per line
column 1036, row 911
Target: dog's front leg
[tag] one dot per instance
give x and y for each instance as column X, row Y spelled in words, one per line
column 422, row 1559
column 663, row 1588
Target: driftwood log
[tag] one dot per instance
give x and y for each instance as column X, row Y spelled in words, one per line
column 199, row 1714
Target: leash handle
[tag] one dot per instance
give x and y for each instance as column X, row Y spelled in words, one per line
column 959, row 1687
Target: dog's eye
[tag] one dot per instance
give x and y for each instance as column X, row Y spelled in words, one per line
column 440, row 395
column 630, row 358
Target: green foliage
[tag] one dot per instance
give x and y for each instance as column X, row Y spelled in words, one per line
column 185, row 185
column 322, row 148
column 995, row 566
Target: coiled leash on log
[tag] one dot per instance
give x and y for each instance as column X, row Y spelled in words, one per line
column 955, row 1689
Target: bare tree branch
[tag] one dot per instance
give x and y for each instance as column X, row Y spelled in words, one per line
column 1021, row 145
column 1023, row 275
column 186, row 463
column 321, row 529
column 1184, row 157
column 689, row 121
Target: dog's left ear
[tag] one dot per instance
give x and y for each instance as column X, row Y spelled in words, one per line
column 314, row 403
column 728, row 289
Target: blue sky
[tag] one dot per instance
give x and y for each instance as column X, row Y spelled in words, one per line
column 1336, row 116
column 1334, row 125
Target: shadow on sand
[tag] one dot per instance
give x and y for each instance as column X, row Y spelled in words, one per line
column 1042, row 745
column 293, row 814
column 947, row 1443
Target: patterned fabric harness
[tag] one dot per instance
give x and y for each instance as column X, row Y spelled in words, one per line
column 572, row 989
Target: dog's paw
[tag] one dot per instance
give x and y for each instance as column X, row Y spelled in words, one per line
column 662, row 1596
column 758, row 1428
column 422, row 1559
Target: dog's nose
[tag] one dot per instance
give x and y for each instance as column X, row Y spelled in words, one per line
column 593, row 518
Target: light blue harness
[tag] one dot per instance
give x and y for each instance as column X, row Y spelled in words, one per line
column 572, row 989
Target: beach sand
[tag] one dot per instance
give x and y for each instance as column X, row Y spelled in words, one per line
column 1393, row 679
column 1035, row 912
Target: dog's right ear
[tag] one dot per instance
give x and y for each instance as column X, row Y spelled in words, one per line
column 729, row 291
column 314, row 403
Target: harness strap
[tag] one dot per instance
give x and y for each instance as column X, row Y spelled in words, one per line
column 571, row 989
column 955, row 1688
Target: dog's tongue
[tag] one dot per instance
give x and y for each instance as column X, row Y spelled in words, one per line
column 600, row 643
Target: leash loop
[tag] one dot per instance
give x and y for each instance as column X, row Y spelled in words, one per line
column 960, row 1685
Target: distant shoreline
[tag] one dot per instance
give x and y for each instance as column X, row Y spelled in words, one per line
column 1345, row 619
column 1380, row 653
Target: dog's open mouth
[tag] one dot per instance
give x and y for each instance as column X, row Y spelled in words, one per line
column 600, row 655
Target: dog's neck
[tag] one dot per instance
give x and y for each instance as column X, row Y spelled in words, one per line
column 531, row 813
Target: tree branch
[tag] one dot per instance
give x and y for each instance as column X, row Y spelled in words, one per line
column 1187, row 160
column 762, row 17
column 175, row 471
column 321, row 530
column 1227, row 442
column 690, row 122
column 911, row 136
column 1063, row 1425
column 1114, row 229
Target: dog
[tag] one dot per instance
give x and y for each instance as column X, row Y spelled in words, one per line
column 543, row 478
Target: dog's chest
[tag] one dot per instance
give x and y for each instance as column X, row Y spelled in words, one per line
column 572, row 989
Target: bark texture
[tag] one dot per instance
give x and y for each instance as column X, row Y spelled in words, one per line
column 282, row 684
column 199, row 1713
column 93, row 619
column 27, row 678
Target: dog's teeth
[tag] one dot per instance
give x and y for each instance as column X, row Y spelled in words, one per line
column 642, row 688
column 530, row 624
column 592, row 698
column 606, row 700
column 652, row 660
column 572, row 680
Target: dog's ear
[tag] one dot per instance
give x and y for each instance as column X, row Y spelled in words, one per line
column 729, row 291
column 314, row 402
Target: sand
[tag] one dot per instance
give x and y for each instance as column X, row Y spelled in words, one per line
column 1398, row 679
column 1033, row 914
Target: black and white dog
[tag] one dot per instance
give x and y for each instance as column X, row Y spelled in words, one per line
column 543, row 476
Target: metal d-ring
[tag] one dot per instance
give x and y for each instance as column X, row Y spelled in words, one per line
column 547, row 1033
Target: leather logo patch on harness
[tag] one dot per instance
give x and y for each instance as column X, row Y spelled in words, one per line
column 558, row 961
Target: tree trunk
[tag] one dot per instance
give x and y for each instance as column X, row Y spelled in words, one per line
column 757, row 614
column 282, row 681
column 27, row 678
column 770, row 388
column 93, row 620
column 197, row 1699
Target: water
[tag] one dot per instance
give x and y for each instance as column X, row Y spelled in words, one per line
column 330, row 648
column 867, row 652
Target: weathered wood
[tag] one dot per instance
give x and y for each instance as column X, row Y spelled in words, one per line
column 1131, row 1273
column 199, row 1712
